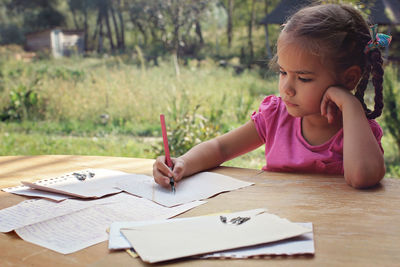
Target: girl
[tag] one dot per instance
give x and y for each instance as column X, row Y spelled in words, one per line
column 316, row 125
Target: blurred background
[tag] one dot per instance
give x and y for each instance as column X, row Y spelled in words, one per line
column 90, row 77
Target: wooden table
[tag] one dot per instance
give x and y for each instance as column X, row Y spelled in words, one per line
column 351, row 227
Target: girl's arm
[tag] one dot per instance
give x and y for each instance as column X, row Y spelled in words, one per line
column 363, row 160
column 209, row 154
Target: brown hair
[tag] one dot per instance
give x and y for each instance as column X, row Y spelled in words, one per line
column 339, row 34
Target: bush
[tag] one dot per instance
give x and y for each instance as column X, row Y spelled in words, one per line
column 24, row 103
column 187, row 131
column 391, row 114
column 10, row 34
column 391, row 117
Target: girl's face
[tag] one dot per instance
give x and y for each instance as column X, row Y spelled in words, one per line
column 303, row 79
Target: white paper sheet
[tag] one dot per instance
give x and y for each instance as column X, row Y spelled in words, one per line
column 80, row 229
column 117, row 241
column 102, row 183
column 196, row 187
column 24, row 190
column 200, row 235
column 303, row 244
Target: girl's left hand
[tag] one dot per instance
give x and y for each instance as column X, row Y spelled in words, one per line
column 333, row 101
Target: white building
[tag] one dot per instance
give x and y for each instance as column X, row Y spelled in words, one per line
column 58, row 42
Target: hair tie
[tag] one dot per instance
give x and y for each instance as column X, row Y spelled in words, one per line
column 378, row 40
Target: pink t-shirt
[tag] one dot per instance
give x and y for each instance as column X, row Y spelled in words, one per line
column 286, row 150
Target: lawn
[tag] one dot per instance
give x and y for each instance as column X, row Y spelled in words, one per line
column 110, row 106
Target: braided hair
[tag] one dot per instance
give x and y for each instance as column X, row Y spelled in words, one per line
column 338, row 34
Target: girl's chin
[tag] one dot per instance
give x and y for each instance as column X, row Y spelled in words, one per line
column 293, row 112
column 297, row 112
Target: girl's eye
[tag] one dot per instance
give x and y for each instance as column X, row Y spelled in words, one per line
column 305, row 79
column 281, row 72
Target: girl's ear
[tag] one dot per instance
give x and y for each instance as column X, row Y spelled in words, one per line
column 352, row 76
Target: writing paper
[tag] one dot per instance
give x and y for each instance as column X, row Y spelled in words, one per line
column 201, row 235
column 97, row 183
column 77, row 230
column 196, row 187
column 36, row 210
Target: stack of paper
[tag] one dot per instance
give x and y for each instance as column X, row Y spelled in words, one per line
column 173, row 239
column 101, row 182
column 73, row 224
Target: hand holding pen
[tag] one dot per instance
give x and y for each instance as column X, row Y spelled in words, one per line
column 162, row 173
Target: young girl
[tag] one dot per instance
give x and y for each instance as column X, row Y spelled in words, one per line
column 317, row 125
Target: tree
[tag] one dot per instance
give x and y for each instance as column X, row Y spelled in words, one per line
column 391, row 112
column 80, row 13
column 37, row 14
column 169, row 22
column 109, row 21
column 250, row 31
column 229, row 7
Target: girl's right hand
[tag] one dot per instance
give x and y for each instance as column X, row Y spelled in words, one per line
column 162, row 173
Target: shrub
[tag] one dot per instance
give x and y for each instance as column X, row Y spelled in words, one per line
column 391, row 114
column 187, row 131
column 24, row 104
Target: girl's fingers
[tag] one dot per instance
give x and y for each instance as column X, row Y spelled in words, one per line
column 178, row 169
column 162, row 167
column 325, row 103
column 329, row 112
column 161, row 172
column 324, row 106
column 161, row 179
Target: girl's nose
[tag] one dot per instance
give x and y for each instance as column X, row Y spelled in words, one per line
column 288, row 89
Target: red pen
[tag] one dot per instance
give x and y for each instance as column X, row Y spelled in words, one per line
column 166, row 150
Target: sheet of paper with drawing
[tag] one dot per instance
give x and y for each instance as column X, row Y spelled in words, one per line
column 201, row 235
column 90, row 183
column 196, row 187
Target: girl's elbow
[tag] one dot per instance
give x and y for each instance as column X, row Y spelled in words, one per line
column 365, row 177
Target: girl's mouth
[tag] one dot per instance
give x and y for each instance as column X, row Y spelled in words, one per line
column 289, row 104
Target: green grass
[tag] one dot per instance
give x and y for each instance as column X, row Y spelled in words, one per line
column 22, row 141
column 39, row 144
